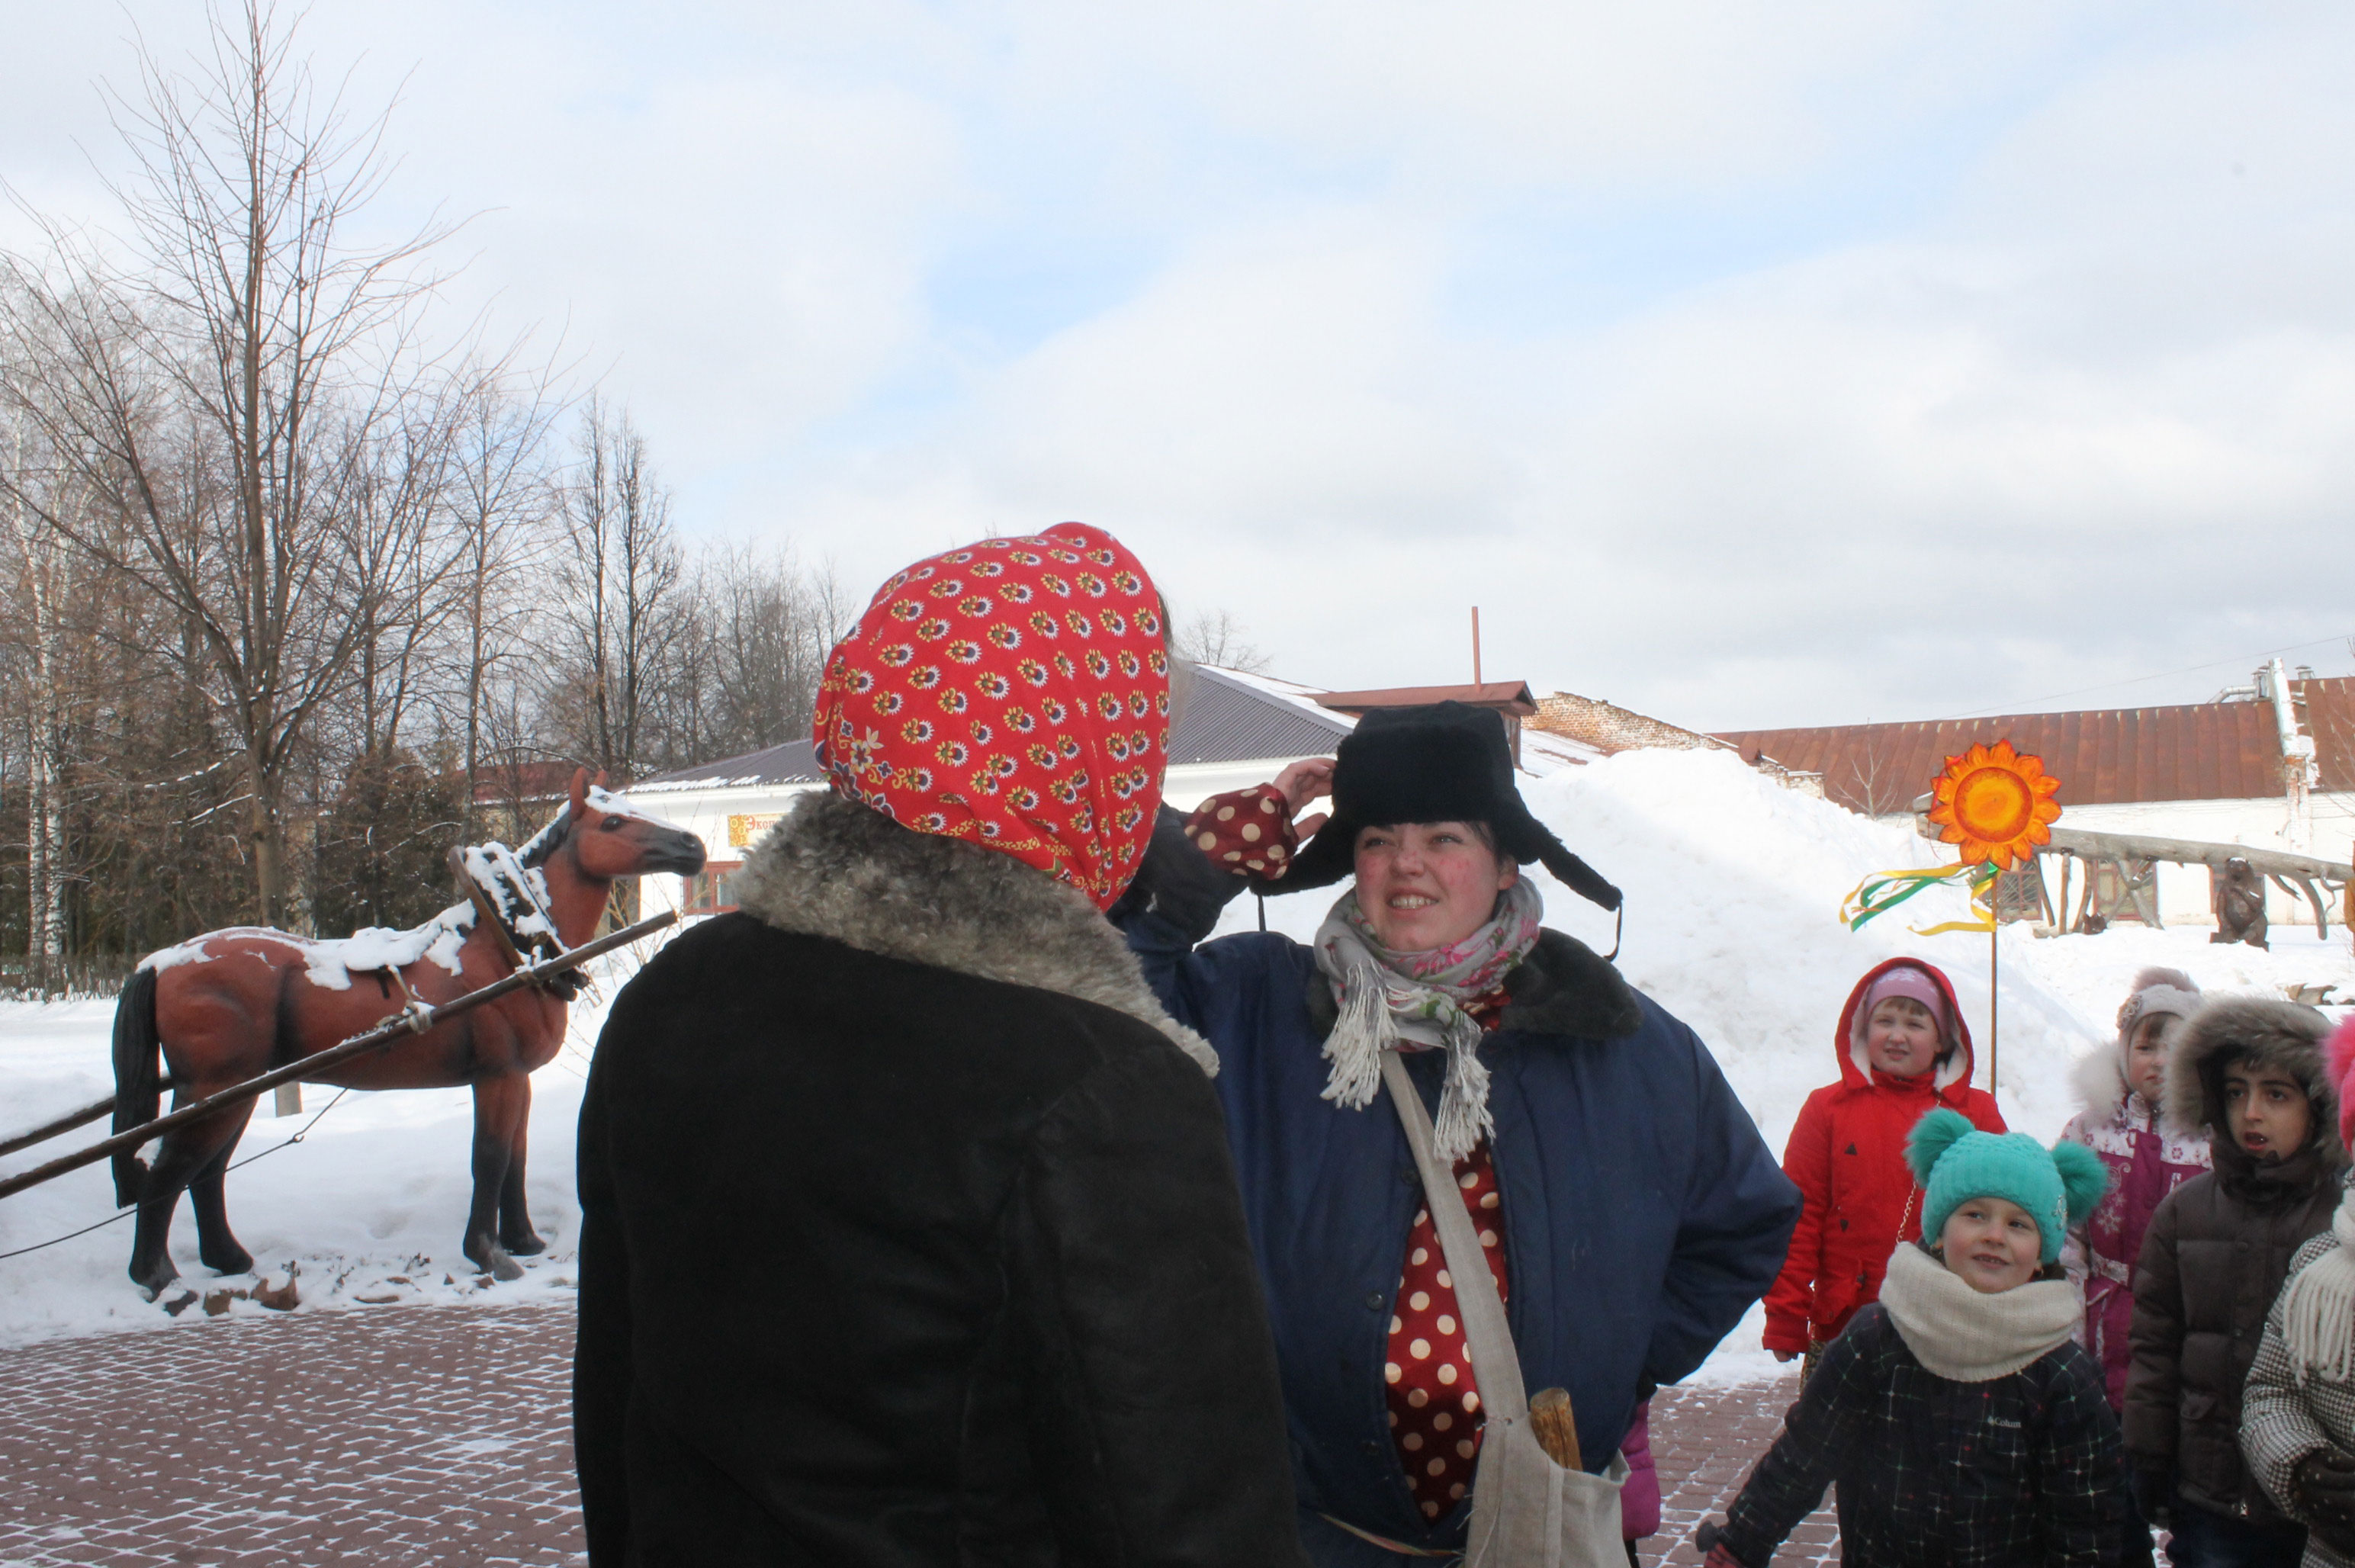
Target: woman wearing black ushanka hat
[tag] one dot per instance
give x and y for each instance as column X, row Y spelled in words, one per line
column 1437, row 1038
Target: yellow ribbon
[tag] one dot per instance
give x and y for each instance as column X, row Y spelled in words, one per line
column 1871, row 898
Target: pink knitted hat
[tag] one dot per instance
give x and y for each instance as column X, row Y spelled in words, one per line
column 2338, row 1052
column 1908, row 981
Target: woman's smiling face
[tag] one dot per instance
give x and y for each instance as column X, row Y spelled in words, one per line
column 1428, row 884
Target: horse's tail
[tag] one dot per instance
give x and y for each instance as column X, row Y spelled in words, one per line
column 138, row 1081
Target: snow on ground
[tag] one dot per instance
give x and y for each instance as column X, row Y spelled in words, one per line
column 1733, row 886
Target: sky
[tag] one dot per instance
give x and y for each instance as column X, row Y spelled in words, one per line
column 1747, row 366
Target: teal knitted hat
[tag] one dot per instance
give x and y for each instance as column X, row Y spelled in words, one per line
column 1955, row 1162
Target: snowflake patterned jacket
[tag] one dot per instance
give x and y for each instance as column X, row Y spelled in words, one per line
column 2147, row 1161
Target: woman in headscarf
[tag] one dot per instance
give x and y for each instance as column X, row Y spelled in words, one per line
column 1628, row 1209
column 909, row 1230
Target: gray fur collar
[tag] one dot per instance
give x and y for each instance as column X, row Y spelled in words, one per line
column 1563, row 986
column 836, row 868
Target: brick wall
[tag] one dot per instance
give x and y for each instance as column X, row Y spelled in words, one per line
column 1610, row 729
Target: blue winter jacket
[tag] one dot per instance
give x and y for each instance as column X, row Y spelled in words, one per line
column 1643, row 1213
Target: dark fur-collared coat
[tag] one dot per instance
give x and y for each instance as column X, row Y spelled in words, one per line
column 911, row 1237
column 2216, row 1252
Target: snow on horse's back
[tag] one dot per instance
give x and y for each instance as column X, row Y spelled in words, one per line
column 233, row 1004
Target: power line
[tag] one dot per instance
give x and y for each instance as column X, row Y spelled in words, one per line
column 2024, row 702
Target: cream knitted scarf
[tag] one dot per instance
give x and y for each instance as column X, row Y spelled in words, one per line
column 2318, row 1308
column 1407, row 1001
column 1966, row 1336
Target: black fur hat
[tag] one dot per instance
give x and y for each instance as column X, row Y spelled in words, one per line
column 1445, row 762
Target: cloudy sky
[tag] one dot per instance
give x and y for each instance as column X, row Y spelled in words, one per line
column 1747, row 365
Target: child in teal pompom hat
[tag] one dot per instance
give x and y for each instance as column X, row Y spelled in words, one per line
column 1961, row 1421
column 2052, row 1188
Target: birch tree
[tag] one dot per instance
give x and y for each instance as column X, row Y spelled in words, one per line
column 217, row 385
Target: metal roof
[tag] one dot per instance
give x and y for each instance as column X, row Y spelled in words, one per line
column 1227, row 719
column 2326, row 712
column 1224, row 718
column 2207, row 751
column 795, row 762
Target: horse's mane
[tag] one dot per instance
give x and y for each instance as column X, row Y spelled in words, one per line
column 542, row 844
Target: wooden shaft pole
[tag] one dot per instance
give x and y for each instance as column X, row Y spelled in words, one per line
column 1995, row 961
column 1475, row 645
column 386, row 1033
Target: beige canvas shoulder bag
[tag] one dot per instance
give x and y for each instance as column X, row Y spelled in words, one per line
column 1527, row 1511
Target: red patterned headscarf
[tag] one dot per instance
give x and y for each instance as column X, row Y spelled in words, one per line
column 1015, row 694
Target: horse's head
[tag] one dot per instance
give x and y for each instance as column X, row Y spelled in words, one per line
column 610, row 837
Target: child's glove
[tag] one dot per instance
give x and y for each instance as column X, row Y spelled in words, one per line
column 2326, row 1493
column 1710, row 1540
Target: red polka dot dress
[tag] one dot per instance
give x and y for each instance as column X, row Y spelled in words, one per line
column 1434, row 1401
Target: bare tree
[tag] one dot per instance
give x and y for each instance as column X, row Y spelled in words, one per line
column 622, row 613
column 503, row 499
column 224, row 390
column 1215, row 637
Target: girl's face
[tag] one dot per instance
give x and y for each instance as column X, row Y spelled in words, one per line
column 1901, row 1038
column 2265, row 1110
column 1992, row 1243
column 1428, row 884
column 2146, row 1055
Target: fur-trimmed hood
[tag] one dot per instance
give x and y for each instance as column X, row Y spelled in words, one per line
column 2269, row 1031
column 838, row 869
column 2100, row 1077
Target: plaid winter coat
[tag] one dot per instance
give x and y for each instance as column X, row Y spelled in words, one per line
column 2019, row 1471
column 2282, row 1421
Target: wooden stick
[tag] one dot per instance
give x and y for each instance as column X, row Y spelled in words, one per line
column 384, row 1034
column 1556, row 1430
column 67, row 1123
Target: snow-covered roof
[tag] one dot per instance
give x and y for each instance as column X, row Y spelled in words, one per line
column 1229, row 717
column 794, row 762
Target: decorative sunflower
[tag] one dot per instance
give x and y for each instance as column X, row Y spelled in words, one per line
column 1997, row 804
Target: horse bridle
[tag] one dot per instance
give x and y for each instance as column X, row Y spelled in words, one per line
column 563, row 987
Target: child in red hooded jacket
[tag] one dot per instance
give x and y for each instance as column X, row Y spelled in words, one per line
column 1903, row 1052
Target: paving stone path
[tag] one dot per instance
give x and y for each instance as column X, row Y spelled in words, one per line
column 441, row 1435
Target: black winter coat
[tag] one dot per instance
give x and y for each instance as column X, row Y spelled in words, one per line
column 884, row 1263
column 2019, row 1472
column 2213, row 1261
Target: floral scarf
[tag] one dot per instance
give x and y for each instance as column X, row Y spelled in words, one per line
column 1414, row 1001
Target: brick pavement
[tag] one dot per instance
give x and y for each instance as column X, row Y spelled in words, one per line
column 391, row 1435
column 439, row 1435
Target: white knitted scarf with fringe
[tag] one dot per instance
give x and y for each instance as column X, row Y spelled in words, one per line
column 1406, row 1001
column 2318, row 1308
column 1968, row 1336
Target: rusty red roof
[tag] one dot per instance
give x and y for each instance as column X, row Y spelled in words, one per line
column 1505, row 696
column 2326, row 711
column 2206, row 751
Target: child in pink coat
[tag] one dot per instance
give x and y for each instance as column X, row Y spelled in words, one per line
column 2122, row 1122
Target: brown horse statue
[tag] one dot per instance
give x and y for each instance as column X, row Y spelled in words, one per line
column 234, row 1004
